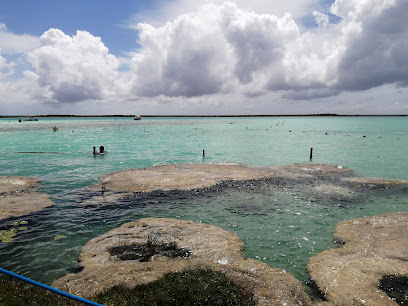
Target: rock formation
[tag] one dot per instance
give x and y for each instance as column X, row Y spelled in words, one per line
column 197, row 244
column 124, row 183
column 18, row 197
column 371, row 248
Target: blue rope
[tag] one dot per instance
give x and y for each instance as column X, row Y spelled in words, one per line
column 68, row 295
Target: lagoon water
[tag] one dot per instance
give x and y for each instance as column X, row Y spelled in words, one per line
column 282, row 227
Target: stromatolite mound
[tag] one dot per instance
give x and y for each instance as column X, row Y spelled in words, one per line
column 18, row 197
column 143, row 251
column 329, row 184
column 192, row 176
column 372, row 248
column 180, row 176
column 184, row 177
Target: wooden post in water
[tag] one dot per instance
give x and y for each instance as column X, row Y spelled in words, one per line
column 311, row 153
column 203, row 154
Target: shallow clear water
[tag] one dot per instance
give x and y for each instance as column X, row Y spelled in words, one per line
column 280, row 226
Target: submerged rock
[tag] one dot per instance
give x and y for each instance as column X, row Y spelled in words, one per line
column 180, row 176
column 396, row 288
column 195, row 245
column 14, row 184
column 373, row 182
column 122, row 184
column 371, row 248
column 326, row 184
column 17, row 197
column 330, row 191
column 165, row 178
column 317, row 169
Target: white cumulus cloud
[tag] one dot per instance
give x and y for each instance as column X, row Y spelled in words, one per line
column 187, row 57
column 375, row 36
column 4, row 69
column 11, row 43
column 211, row 51
column 74, row 69
column 221, row 48
column 220, row 54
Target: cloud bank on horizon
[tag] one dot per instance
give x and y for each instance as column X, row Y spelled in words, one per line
column 220, row 56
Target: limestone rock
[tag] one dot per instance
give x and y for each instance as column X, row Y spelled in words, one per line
column 17, row 197
column 122, row 184
column 179, row 176
column 372, row 248
column 191, row 176
column 208, row 245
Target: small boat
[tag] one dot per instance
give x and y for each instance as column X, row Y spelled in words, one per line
column 27, row 119
column 30, row 119
column 137, row 117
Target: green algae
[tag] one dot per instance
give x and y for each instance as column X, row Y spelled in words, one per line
column 6, row 239
column 7, row 235
column 58, row 237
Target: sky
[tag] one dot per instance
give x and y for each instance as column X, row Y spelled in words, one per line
column 198, row 57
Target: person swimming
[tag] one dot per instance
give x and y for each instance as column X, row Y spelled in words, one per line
column 100, row 152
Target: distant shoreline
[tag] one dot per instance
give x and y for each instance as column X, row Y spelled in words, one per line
column 195, row 116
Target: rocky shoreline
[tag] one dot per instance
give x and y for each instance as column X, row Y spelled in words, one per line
column 370, row 249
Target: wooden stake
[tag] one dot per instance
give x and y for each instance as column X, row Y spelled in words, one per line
column 311, row 153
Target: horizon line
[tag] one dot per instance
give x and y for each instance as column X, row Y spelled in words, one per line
column 213, row 116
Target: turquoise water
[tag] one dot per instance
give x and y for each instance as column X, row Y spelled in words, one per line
column 279, row 226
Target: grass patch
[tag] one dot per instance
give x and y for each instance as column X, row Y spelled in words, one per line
column 16, row 293
column 192, row 287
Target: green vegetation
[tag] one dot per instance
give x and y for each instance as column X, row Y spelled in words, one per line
column 192, row 287
column 6, row 235
column 17, row 293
